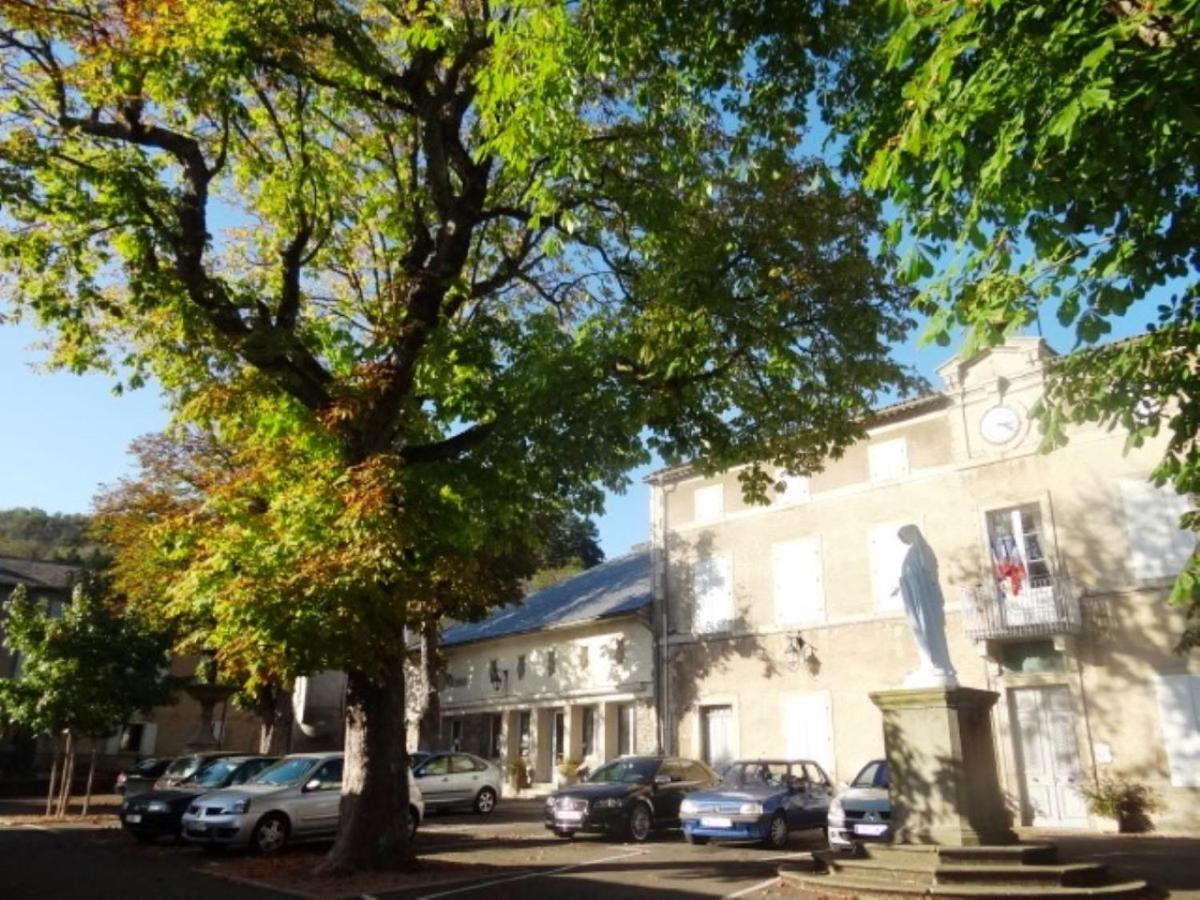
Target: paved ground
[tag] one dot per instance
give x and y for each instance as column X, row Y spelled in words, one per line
column 521, row 860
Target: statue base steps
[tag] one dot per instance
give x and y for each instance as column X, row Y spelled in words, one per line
column 923, row 870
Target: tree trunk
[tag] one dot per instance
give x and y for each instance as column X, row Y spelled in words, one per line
column 275, row 715
column 372, row 831
column 429, row 728
column 68, row 775
column 87, row 793
column 53, row 776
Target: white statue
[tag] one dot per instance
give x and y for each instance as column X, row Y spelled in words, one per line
column 925, row 608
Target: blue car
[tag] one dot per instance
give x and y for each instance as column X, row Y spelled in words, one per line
column 760, row 800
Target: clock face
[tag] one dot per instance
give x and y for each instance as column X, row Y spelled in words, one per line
column 1000, row 424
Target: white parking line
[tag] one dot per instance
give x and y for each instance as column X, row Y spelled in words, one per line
column 528, row 875
column 753, row 888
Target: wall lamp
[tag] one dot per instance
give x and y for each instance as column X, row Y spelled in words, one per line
column 797, row 649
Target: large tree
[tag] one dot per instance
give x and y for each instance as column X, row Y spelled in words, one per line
column 1046, row 155
column 434, row 268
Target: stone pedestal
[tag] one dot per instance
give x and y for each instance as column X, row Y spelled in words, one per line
column 942, row 761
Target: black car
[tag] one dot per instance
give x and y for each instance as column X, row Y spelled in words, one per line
column 628, row 797
column 184, row 768
column 140, row 777
column 159, row 813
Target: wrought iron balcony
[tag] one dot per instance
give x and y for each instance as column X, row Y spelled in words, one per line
column 1042, row 607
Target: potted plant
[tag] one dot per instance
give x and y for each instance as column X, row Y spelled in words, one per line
column 568, row 771
column 518, row 771
column 1128, row 802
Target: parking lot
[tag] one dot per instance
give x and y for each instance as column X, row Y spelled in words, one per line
column 508, row 854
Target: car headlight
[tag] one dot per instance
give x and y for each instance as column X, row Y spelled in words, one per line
column 157, row 806
column 687, row 806
column 750, row 809
column 607, row 803
column 239, row 806
column 836, row 815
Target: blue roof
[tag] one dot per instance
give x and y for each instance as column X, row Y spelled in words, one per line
column 614, row 588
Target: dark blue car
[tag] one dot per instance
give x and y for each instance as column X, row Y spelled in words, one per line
column 760, row 800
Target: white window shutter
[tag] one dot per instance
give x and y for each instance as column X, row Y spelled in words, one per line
column 1179, row 711
column 887, row 555
column 708, row 503
column 888, row 460
column 798, row 489
column 1158, row 547
column 799, row 586
column 712, row 589
column 149, row 739
column 807, row 724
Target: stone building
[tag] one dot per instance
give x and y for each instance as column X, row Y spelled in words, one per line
column 562, row 679
column 777, row 622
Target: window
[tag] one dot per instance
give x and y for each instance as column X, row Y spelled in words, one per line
column 619, row 649
column 796, row 489
column 1179, row 710
column 551, row 662
column 696, row 773
column 439, row 765
column 888, row 460
column 131, row 738
column 1018, row 548
column 494, row 674
column 673, row 769
column 1158, row 548
column 521, row 667
column 712, row 590
column 583, row 657
column 461, row 762
column 456, row 733
column 1027, row 657
column 799, row 592
column 559, row 731
column 708, row 503
column 588, row 730
column 330, row 775
column 887, row 553
column 523, row 730
column 495, row 730
column 626, row 729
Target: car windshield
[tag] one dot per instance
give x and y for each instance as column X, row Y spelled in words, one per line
column 147, row 766
column 756, row 774
column 627, row 771
column 873, row 775
column 215, row 773
column 184, row 767
column 286, row 771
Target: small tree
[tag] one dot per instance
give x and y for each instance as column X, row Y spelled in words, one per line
column 81, row 675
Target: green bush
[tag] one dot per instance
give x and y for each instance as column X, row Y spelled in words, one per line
column 1129, row 802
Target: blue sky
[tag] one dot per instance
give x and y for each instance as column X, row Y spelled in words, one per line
column 68, row 434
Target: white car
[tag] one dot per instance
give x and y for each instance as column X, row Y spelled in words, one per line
column 455, row 779
column 298, row 798
column 862, row 812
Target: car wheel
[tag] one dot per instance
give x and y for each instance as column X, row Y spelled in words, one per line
column 414, row 819
column 777, row 832
column 270, row 834
column 640, row 822
column 485, row 801
column 695, row 838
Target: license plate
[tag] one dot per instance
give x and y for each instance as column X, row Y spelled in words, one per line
column 133, row 818
column 569, row 815
column 198, row 826
column 715, row 822
column 870, row 830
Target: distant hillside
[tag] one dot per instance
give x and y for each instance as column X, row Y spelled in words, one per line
column 37, row 534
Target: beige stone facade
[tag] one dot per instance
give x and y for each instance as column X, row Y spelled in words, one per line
column 779, row 621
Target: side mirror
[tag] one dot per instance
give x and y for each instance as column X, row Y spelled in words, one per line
column 661, row 779
column 313, row 784
column 842, row 787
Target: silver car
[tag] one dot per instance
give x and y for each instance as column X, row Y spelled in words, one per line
column 862, row 812
column 298, row 798
column 459, row 780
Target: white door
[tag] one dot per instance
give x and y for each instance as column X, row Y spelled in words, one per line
column 806, row 723
column 716, row 723
column 1048, row 756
